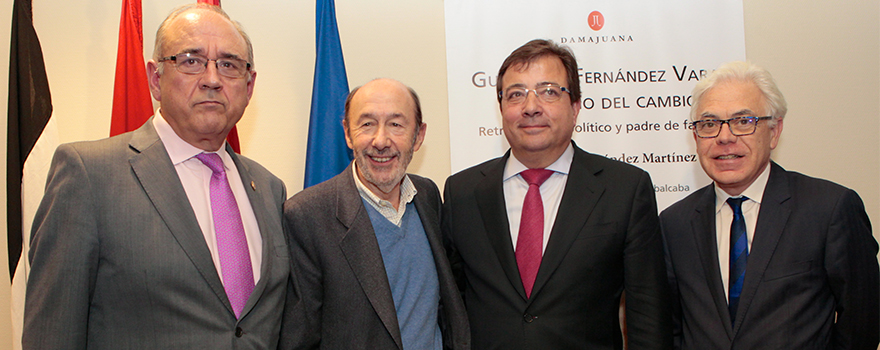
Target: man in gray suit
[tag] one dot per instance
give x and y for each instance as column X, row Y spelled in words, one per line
column 164, row 238
column 374, row 273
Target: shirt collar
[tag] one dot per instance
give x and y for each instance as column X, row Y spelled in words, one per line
column 407, row 191
column 754, row 192
column 179, row 150
column 562, row 164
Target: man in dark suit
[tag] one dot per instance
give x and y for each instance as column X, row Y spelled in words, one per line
column 129, row 250
column 366, row 244
column 553, row 278
column 764, row 258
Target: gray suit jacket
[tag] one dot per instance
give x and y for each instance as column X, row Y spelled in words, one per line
column 346, row 299
column 812, row 275
column 119, row 261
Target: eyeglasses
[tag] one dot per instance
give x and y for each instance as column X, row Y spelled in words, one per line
column 739, row 126
column 548, row 93
column 191, row 63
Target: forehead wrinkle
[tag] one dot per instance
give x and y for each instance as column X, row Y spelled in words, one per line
column 197, row 51
column 708, row 115
column 743, row 112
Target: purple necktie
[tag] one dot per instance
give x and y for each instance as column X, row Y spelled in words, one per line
column 530, row 240
column 232, row 246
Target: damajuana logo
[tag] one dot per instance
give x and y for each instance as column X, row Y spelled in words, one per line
column 596, row 20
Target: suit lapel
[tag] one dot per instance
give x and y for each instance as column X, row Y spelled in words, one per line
column 361, row 249
column 703, row 230
column 262, row 209
column 581, row 194
column 489, row 194
column 156, row 174
column 772, row 218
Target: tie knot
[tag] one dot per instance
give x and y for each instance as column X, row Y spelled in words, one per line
column 536, row 176
column 213, row 161
column 736, row 203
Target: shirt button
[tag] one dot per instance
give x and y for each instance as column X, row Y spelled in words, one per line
column 238, row 332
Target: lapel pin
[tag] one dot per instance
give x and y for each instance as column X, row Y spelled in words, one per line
column 253, row 185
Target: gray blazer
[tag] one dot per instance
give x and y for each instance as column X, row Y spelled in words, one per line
column 346, row 299
column 119, row 261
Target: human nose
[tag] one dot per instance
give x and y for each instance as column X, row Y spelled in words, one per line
column 211, row 76
column 381, row 139
column 531, row 107
column 725, row 135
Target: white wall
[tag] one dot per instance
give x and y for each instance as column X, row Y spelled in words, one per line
column 824, row 55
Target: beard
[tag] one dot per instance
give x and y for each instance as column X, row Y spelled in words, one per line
column 384, row 179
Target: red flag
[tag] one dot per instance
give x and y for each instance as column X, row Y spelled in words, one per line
column 232, row 138
column 132, row 103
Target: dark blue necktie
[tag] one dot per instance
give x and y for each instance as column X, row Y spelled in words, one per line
column 739, row 254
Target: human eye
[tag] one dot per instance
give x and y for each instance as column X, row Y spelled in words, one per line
column 225, row 64
column 191, row 61
column 549, row 91
column 231, row 64
column 744, row 121
column 515, row 93
column 707, row 124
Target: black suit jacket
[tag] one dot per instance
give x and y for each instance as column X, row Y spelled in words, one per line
column 812, row 259
column 606, row 238
column 346, row 298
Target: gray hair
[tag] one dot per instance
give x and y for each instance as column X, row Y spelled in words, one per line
column 774, row 102
column 161, row 34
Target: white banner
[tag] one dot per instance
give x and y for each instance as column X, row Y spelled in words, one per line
column 638, row 61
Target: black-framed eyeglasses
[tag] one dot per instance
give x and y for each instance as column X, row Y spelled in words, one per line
column 192, row 63
column 548, row 93
column 739, row 126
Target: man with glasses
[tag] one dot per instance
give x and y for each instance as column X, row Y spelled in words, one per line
column 546, row 239
column 164, row 238
column 764, row 258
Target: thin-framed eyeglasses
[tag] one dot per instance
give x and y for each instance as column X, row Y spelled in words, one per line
column 192, row 63
column 548, row 93
column 739, row 126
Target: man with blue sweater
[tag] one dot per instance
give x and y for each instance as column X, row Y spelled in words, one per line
column 372, row 270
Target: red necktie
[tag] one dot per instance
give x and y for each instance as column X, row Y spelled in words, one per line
column 530, row 241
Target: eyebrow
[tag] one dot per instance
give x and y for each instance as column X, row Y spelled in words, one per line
column 375, row 116
column 538, row 84
column 740, row 113
column 222, row 54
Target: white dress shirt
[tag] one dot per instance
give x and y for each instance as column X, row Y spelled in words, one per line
column 515, row 189
column 196, row 179
column 724, row 218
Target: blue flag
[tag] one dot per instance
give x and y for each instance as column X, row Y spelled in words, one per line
column 327, row 154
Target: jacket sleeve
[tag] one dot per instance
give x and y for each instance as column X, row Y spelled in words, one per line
column 853, row 274
column 648, row 310
column 63, row 257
